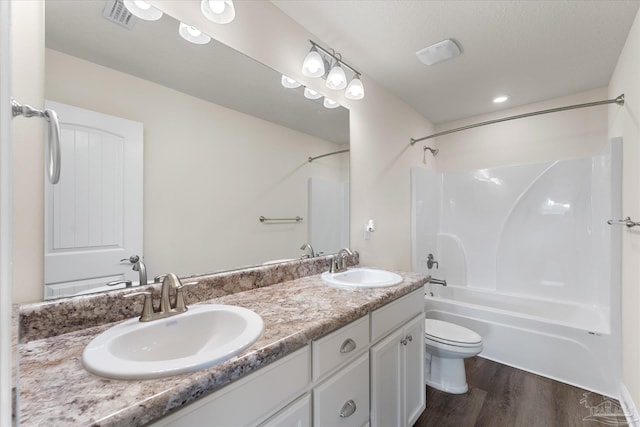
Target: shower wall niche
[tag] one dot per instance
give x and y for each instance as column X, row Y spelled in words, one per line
column 533, row 230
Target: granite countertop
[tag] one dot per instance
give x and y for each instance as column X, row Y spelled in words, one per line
column 56, row 390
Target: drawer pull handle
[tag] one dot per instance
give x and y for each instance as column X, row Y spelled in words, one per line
column 347, row 346
column 348, row 409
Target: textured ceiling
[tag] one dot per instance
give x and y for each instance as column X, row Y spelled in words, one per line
column 529, row 50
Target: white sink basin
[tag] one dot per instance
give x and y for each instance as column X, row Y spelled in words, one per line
column 202, row 337
column 357, row 278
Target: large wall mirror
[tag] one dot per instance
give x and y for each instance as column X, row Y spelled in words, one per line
column 223, row 144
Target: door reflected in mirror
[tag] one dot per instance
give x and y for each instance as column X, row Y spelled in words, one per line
column 224, row 143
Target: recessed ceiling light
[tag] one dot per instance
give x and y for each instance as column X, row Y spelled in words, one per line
column 500, row 99
column 441, row 51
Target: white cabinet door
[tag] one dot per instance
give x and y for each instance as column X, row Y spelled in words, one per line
column 94, row 214
column 397, row 376
column 415, row 391
column 298, row 414
column 386, row 381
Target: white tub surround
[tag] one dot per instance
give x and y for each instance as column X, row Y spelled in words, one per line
column 531, row 263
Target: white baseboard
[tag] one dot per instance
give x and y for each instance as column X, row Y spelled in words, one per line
column 629, row 408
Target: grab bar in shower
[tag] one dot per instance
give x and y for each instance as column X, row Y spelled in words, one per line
column 296, row 219
column 627, row 221
column 53, row 139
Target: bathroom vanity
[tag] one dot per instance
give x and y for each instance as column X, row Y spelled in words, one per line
column 327, row 356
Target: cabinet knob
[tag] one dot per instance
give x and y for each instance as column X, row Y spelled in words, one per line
column 403, row 341
column 348, row 409
column 347, row 346
column 410, row 338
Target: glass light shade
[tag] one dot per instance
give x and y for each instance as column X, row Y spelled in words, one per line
column 192, row 34
column 336, row 79
column 330, row 103
column 288, row 82
column 313, row 65
column 355, row 90
column 311, row 94
column 218, row 11
column 142, row 10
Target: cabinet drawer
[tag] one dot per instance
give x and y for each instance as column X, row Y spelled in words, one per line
column 343, row 400
column 340, row 346
column 393, row 315
column 250, row 399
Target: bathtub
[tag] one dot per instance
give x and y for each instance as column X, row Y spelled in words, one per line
column 571, row 343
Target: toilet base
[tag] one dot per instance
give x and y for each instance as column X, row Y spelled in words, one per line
column 446, row 374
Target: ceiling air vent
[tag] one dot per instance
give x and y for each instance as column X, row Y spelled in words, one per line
column 115, row 12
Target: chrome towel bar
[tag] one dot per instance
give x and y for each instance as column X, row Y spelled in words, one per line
column 627, row 221
column 53, row 139
column 296, row 219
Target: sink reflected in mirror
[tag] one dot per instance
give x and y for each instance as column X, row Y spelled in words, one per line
column 202, row 337
column 362, row 278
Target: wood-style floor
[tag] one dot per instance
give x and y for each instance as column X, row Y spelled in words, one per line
column 503, row 396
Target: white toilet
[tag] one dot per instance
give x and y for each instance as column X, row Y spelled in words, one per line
column 447, row 345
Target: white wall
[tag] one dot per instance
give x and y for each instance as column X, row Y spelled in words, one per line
column 625, row 122
column 563, row 135
column 381, row 125
column 209, row 172
column 27, row 39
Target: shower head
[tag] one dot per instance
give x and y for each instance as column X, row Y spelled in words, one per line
column 434, row 151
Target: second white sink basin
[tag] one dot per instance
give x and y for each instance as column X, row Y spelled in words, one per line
column 362, row 278
column 199, row 338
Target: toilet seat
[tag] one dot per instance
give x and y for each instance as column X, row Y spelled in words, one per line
column 450, row 334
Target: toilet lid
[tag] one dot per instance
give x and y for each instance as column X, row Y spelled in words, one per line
column 448, row 333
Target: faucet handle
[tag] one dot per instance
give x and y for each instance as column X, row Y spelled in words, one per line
column 127, row 283
column 147, row 308
column 132, row 259
column 180, row 304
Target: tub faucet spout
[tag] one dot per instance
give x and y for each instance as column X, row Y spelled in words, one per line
column 437, row 281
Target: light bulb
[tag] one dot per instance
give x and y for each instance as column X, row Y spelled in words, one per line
column 355, row 90
column 313, row 65
column 311, row 94
column 192, row 34
column 288, row 82
column 142, row 10
column 330, row 103
column 336, row 78
column 218, row 11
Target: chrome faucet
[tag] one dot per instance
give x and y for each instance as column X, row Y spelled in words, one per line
column 431, row 262
column 138, row 265
column 166, row 309
column 311, row 253
column 437, row 281
column 338, row 261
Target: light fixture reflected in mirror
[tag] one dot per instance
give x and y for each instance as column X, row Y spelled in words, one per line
column 336, row 79
column 313, row 65
column 330, row 103
column 192, row 34
column 142, row 10
column 289, row 83
column 311, row 94
column 218, row 11
column 355, row 90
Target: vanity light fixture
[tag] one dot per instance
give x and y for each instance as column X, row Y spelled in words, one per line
column 192, row 34
column 142, row 10
column 314, row 65
column 218, row 11
column 355, row 90
column 330, row 103
column 289, row 83
column 500, row 99
column 311, row 94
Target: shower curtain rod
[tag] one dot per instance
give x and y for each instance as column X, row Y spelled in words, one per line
column 311, row 159
column 619, row 100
